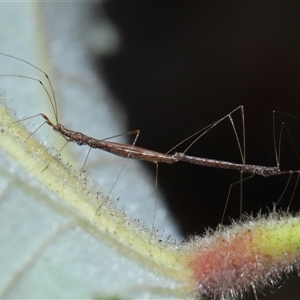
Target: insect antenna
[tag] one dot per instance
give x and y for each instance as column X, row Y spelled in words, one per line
column 52, row 100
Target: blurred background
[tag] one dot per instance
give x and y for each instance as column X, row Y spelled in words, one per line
column 176, row 67
column 182, row 66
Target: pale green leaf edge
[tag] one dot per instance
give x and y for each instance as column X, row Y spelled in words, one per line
column 91, row 210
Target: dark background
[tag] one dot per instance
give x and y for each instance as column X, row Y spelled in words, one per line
column 184, row 65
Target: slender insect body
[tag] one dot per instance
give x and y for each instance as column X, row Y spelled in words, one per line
column 123, row 150
column 73, row 136
column 134, row 152
column 141, row 154
column 245, row 168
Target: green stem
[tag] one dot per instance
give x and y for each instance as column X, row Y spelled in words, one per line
column 227, row 263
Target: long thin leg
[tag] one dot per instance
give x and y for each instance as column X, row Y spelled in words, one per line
column 133, row 144
column 228, row 195
column 278, row 154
